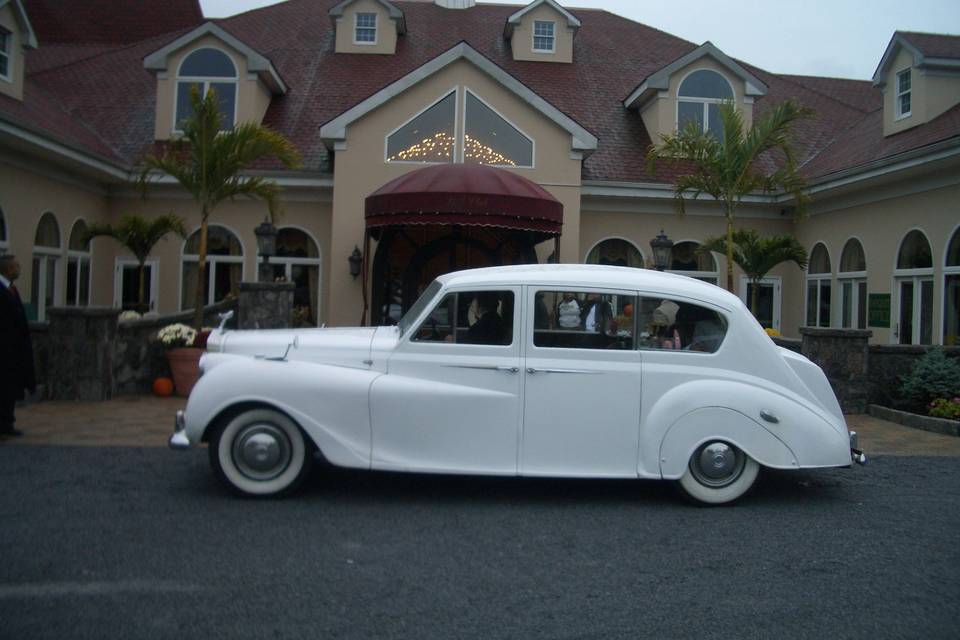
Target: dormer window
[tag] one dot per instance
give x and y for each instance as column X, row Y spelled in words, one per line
column 698, row 101
column 365, row 30
column 6, row 45
column 207, row 69
column 543, row 36
column 903, row 93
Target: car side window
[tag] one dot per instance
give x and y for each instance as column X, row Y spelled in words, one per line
column 679, row 325
column 470, row 317
column 583, row 320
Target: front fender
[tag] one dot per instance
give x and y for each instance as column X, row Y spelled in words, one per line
column 727, row 409
column 330, row 403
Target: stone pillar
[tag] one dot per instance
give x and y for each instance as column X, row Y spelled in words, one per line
column 843, row 354
column 265, row 305
column 81, row 347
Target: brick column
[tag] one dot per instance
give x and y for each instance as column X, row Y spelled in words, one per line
column 81, row 350
column 843, row 355
column 265, row 305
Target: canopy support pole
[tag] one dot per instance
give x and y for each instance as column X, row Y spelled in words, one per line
column 366, row 262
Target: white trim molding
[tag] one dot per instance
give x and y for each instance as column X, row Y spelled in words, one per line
column 573, row 22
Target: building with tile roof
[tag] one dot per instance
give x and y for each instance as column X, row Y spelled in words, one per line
column 568, row 98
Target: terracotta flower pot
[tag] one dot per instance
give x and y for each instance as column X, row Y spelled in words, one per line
column 184, row 368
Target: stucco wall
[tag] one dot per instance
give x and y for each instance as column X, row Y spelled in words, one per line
column 253, row 98
column 361, row 169
column 13, row 87
column 521, row 42
column 386, row 29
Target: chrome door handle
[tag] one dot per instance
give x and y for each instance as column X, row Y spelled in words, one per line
column 532, row 370
column 486, row 367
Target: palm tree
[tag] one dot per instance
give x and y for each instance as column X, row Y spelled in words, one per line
column 139, row 236
column 207, row 163
column 757, row 255
column 728, row 169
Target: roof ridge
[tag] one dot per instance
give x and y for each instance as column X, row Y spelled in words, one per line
column 789, row 78
column 110, row 50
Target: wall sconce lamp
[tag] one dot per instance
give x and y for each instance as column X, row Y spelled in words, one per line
column 356, row 261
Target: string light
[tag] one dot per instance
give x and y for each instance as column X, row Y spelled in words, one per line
column 441, row 145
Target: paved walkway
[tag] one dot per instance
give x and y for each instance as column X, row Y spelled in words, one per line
column 147, row 421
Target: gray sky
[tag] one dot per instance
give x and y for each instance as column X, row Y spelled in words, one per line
column 840, row 38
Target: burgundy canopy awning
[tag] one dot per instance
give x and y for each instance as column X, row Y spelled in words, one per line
column 465, row 194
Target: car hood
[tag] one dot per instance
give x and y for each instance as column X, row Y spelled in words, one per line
column 348, row 347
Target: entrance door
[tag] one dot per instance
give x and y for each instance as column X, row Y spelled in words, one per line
column 915, row 316
column 768, row 300
column 581, row 385
column 450, row 401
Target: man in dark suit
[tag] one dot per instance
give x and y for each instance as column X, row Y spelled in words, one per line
column 16, row 350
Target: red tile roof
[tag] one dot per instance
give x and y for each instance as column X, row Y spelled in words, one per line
column 109, row 21
column 110, row 93
column 934, row 45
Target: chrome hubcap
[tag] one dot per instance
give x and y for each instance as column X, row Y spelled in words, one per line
column 717, row 464
column 261, row 451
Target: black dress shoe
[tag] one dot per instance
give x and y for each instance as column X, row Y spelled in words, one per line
column 11, row 432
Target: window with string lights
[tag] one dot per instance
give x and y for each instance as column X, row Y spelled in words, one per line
column 432, row 136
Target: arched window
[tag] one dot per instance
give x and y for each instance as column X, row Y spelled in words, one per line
column 951, row 292
column 687, row 260
column 298, row 261
column 207, row 69
column 819, row 276
column 914, row 290
column 78, row 266
column 699, row 98
column 4, row 241
column 224, row 266
column 490, row 139
column 617, row 252
column 429, row 136
column 46, row 266
column 852, row 281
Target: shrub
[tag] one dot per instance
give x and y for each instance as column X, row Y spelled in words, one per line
column 934, row 377
column 945, row 408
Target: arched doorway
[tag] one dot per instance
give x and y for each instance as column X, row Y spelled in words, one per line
column 446, row 218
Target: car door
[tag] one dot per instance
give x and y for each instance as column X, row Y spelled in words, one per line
column 450, row 401
column 581, row 384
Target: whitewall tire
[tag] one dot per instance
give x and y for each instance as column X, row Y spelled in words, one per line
column 718, row 473
column 260, row 453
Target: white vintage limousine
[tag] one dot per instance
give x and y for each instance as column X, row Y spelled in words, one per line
column 540, row 370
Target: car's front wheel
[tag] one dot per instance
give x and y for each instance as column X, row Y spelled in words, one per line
column 718, row 473
column 260, row 452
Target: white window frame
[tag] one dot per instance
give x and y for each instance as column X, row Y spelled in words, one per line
column 80, row 257
column 120, row 263
column 212, row 262
column 56, row 253
column 552, row 36
column 643, row 258
column 918, row 276
column 776, row 283
column 706, row 102
column 898, row 93
column 854, row 279
column 6, row 52
column 457, row 134
column 948, row 270
column 288, row 264
column 819, row 278
column 699, row 275
column 205, row 82
column 463, row 141
column 357, row 28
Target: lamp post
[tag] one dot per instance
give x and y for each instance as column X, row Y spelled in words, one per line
column 356, row 262
column 662, row 249
column 266, row 246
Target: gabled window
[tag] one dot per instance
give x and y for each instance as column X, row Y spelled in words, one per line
column 903, row 93
column 6, row 52
column 365, row 28
column 698, row 101
column 429, row 136
column 208, row 69
column 543, row 36
column 490, row 139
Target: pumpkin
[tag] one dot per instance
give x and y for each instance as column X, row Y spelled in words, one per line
column 163, row 387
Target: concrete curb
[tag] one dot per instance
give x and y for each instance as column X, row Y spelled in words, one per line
column 927, row 423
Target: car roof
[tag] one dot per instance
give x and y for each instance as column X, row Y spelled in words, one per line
column 566, row 276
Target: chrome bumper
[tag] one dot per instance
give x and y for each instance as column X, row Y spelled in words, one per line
column 179, row 438
column 856, row 455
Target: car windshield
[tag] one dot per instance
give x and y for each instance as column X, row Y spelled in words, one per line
column 414, row 312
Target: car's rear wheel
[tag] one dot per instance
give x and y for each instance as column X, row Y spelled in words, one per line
column 718, row 473
column 260, row 452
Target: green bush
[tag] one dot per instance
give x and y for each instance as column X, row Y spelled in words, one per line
column 934, row 377
column 945, row 408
